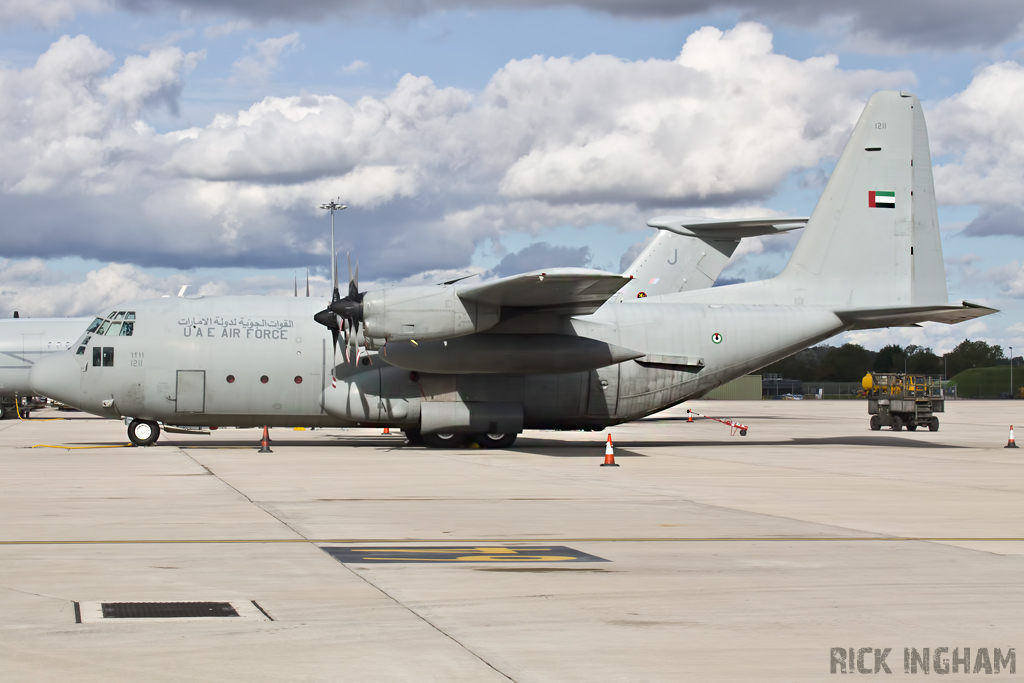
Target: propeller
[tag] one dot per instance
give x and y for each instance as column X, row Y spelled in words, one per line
column 349, row 313
column 328, row 317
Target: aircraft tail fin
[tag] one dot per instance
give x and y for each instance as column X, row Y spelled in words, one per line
column 673, row 263
column 873, row 239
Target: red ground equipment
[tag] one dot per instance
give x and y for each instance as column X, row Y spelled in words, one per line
column 732, row 424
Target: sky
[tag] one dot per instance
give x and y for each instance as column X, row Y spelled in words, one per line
column 150, row 144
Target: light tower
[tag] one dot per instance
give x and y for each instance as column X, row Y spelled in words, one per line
column 333, row 206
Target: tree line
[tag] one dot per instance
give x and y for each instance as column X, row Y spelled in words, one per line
column 850, row 362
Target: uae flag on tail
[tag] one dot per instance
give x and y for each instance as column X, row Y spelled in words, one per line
column 881, row 200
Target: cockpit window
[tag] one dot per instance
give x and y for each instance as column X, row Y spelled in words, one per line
column 117, row 324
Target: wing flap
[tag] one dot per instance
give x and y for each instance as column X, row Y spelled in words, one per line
column 574, row 291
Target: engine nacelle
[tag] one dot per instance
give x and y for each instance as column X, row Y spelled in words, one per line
column 423, row 314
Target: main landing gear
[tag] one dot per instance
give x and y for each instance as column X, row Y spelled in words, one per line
column 415, row 438
column 143, row 432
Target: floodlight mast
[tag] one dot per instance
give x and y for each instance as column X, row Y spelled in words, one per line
column 333, row 206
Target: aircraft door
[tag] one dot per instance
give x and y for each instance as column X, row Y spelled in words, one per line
column 191, row 391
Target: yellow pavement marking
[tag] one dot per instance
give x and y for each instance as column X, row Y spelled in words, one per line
column 75, row 448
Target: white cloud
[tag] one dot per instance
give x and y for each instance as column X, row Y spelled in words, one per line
column 63, row 122
column 1009, row 278
column 47, row 12
column 227, row 28
column 265, row 57
column 725, row 121
column 354, row 67
column 429, row 172
column 982, row 128
column 35, row 290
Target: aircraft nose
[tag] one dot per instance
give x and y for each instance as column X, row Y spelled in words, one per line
column 57, row 376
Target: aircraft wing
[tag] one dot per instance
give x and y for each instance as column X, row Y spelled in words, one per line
column 908, row 316
column 566, row 291
column 729, row 228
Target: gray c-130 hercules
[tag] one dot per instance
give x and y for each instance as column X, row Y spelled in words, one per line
column 564, row 348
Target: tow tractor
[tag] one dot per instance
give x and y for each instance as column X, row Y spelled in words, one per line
column 897, row 400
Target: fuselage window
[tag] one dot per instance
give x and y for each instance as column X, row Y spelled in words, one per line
column 127, row 329
column 114, row 330
column 97, row 355
column 95, row 323
column 264, row 379
column 103, row 328
column 130, row 315
column 108, row 356
column 81, row 351
column 231, row 379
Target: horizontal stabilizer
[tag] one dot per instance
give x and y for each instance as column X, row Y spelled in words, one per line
column 567, row 291
column 730, row 228
column 907, row 316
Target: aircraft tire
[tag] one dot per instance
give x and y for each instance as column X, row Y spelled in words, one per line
column 414, row 437
column 444, row 440
column 3, row 411
column 875, row 423
column 143, row 432
column 495, row 440
column 897, row 423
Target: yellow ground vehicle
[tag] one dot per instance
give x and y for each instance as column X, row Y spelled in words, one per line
column 897, row 400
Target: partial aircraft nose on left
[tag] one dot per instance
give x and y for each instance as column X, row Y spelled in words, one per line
column 58, row 376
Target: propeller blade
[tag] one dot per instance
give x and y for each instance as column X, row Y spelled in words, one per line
column 334, row 357
column 335, row 295
column 307, row 282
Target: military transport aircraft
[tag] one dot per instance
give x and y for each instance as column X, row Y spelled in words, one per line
column 564, row 348
column 23, row 341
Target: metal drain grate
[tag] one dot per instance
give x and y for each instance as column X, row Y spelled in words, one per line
column 167, row 610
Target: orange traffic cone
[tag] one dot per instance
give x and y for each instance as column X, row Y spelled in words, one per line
column 1010, row 443
column 689, row 415
column 387, row 430
column 265, row 442
column 609, row 454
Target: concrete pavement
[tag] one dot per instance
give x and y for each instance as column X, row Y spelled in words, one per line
column 730, row 558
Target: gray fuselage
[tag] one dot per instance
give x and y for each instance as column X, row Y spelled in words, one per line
column 175, row 368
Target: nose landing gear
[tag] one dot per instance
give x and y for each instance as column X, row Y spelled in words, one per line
column 143, row 432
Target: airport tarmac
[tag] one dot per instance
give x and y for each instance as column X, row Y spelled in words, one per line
column 704, row 556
